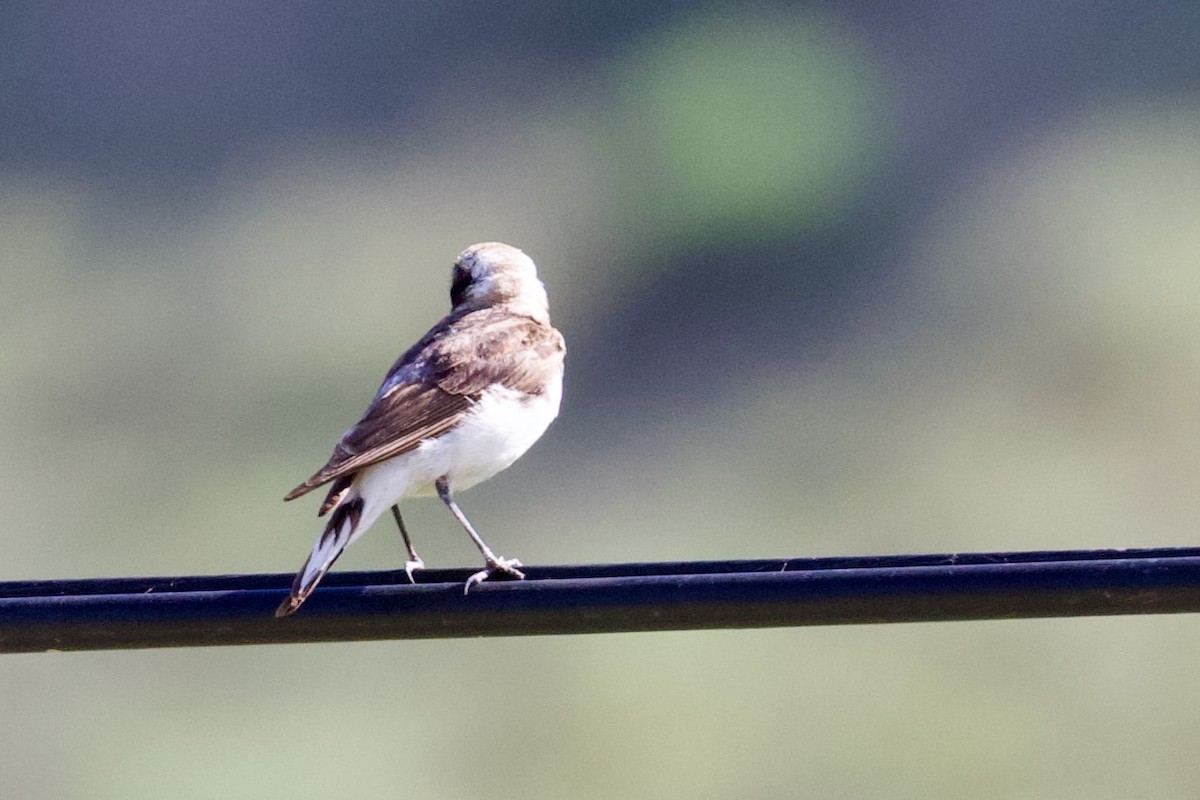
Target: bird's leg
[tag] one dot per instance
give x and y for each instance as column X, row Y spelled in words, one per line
column 496, row 565
column 414, row 561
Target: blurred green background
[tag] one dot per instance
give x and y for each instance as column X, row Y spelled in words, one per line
column 836, row 278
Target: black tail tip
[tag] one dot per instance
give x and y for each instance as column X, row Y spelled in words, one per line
column 288, row 606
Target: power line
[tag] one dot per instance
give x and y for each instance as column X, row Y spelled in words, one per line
column 121, row 613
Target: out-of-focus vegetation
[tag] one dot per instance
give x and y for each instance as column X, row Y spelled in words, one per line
column 848, row 279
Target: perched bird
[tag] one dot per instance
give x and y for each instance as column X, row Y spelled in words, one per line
column 462, row 404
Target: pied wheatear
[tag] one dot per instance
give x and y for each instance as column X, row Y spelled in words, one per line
column 462, row 404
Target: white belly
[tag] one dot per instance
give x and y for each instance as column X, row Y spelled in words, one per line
column 497, row 431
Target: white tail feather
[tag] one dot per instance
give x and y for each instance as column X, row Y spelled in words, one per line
column 338, row 533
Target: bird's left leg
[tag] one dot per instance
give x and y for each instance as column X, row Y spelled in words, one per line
column 414, row 561
column 496, row 565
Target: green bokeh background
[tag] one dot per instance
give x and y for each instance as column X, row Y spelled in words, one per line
column 1016, row 367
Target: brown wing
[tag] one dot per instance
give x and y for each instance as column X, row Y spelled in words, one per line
column 514, row 351
column 407, row 417
column 431, row 386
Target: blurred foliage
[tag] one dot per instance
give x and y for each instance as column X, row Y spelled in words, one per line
column 728, row 123
column 834, row 280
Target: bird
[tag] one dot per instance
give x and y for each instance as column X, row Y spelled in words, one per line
column 460, row 405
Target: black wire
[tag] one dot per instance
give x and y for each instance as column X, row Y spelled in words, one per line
column 120, row 613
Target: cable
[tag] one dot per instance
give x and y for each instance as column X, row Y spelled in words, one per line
column 102, row 614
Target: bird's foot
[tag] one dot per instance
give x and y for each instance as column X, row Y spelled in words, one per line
column 501, row 566
column 412, row 565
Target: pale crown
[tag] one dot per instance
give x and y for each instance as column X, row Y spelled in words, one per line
column 492, row 274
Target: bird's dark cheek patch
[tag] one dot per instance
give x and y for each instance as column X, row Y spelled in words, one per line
column 459, row 284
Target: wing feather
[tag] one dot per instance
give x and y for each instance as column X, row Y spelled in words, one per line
column 435, row 383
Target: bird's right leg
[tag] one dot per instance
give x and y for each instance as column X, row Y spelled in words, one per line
column 496, row 565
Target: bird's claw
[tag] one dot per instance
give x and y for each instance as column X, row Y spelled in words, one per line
column 501, row 566
column 411, row 566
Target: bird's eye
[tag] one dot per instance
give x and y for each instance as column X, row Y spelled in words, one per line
column 460, row 281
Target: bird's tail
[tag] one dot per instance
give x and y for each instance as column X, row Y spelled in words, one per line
column 343, row 522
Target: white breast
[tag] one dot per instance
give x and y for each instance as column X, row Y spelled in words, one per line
column 498, row 429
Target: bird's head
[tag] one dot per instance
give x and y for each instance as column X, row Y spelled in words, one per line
column 494, row 273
